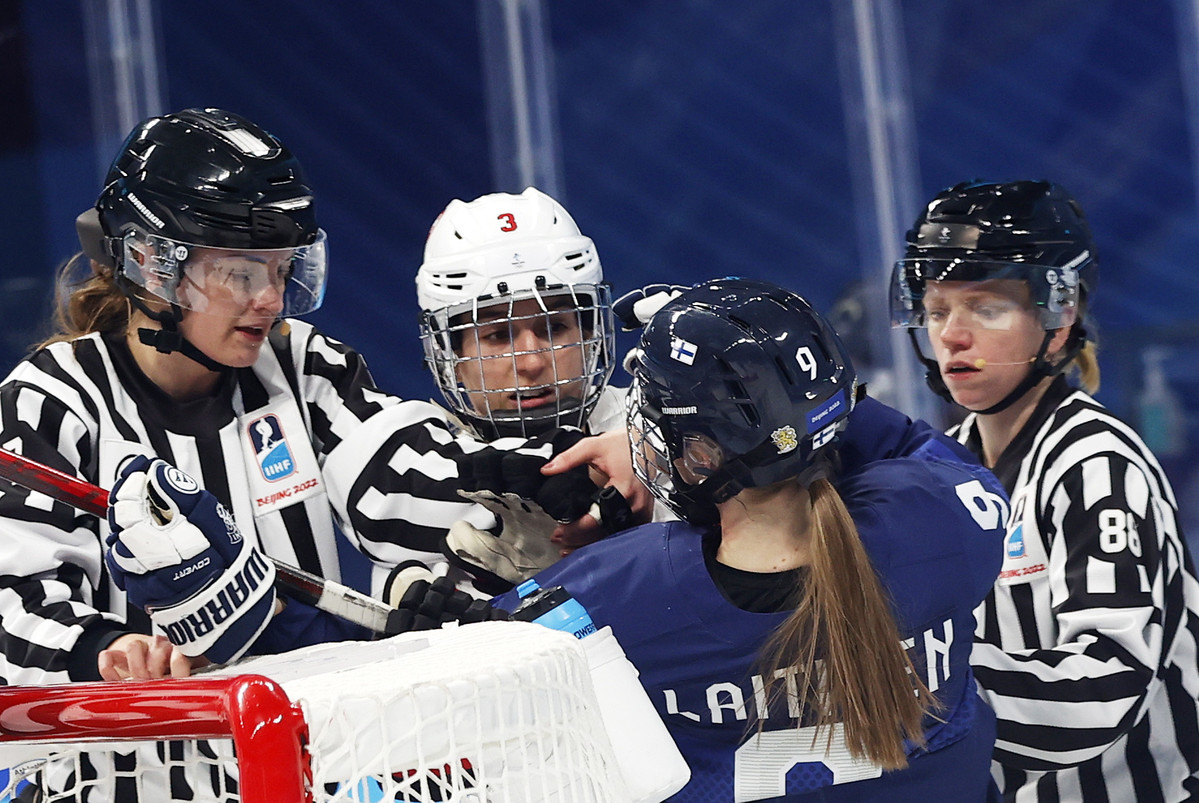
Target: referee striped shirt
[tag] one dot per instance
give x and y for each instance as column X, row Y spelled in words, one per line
column 1087, row 645
column 263, row 444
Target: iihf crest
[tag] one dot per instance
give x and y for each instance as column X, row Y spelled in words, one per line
column 270, row 448
column 1015, row 542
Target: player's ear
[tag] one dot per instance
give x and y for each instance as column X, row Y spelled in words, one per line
column 1058, row 342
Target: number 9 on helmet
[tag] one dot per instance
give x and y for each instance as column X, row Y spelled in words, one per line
column 738, row 383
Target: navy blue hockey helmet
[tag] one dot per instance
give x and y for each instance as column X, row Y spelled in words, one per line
column 1031, row 231
column 738, row 383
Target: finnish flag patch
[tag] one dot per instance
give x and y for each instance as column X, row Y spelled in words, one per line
column 682, row 350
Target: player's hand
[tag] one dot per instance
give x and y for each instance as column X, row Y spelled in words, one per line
column 134, row 656
column 178, row 554
column 425, row 601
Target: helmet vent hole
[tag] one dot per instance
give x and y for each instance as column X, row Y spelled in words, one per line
column 740, row 323
column 743, row 403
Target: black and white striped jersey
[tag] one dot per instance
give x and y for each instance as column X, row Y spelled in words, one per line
column 263, row 445
column 1087, row 645
column 367, row 508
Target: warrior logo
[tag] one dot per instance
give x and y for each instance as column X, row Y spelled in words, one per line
column 270, row 447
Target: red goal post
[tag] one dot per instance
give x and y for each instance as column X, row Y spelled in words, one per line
column 251, row 710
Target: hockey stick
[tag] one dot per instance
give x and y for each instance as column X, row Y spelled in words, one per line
column 334, row 598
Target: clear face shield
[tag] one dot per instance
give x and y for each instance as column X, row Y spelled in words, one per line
column 700, row 457
column 528, row 361
column 227, row 281
column 991, row 302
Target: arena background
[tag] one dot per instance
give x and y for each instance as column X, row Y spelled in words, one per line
column 690, row 139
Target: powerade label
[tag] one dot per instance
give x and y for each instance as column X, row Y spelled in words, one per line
column 823, row 416
column 270, row 448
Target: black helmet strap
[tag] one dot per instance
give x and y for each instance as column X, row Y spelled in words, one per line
column 168, row 339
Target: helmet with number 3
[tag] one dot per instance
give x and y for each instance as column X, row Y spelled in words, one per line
column 516, row 319
column 738, row 383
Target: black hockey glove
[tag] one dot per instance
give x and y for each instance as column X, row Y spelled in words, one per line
column 426, row 602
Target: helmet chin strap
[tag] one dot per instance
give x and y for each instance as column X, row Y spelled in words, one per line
column 1039, row 369
column 169, row 339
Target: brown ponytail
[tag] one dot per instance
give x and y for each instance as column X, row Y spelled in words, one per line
column 867, row 681
column 86, row 300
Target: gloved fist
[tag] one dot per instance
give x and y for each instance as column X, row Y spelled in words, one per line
column 565, row 497
column 636, row 307
column 517, row 549
column 424, row 601
column 178, row 554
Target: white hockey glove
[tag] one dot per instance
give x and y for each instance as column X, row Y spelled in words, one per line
column 178, row 554
column 519, row 547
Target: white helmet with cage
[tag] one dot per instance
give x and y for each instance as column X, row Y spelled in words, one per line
column 495, row 269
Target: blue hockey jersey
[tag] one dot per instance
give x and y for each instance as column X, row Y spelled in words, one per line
column 933, row 528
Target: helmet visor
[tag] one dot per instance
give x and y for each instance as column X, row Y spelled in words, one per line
column 211, row 280
column 1052, row 291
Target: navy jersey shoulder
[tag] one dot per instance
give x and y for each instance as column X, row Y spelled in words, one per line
column 876, row 431
column 934, row 530
column 697, row 653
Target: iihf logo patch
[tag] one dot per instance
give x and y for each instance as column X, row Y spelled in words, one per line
column 1015, row 542
column 270, row 447
column 682, row 351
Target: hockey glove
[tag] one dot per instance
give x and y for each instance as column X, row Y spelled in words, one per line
column 178, row 554
column 426, row 602
column 517, row 549
column 565, row 497
column 636, row 307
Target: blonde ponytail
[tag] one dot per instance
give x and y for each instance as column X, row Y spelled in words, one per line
column 865, row 679
column 1086, row 365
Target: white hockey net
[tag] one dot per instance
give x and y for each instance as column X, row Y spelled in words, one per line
column 493, row 712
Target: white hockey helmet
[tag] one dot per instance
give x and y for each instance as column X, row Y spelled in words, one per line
column 499, row 251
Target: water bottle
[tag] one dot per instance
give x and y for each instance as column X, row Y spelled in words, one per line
column 554, row 608
column 649, row 760
column 1161, row 422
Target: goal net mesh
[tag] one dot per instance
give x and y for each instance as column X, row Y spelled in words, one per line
column 483, row 713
